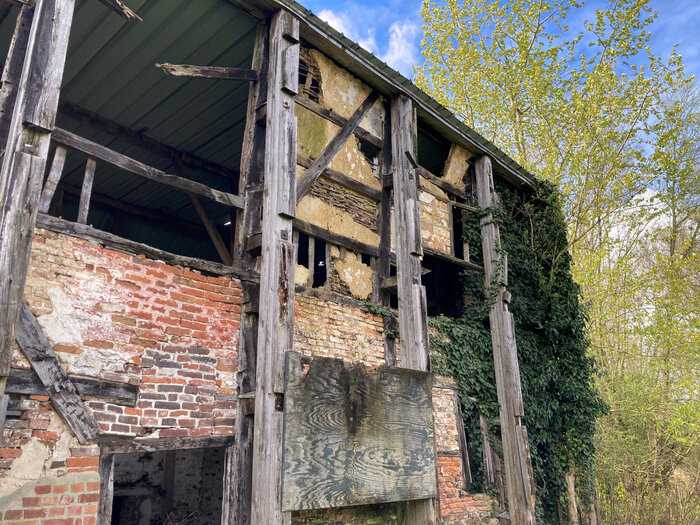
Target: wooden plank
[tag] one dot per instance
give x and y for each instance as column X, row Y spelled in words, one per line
column 98, row 122
column 127, row 246
column 213, row 232
column 106, row 473
column 333, row 147
column 59, row 159
column 239, row 483
column 413, row 314
column 275, row 321
column 84, row 205
column 356, row 436
column 334, row 238
column 121, row 9
column 28, row 383
column 213, row 72
column 384, row 260
column 138, row 168
column 520, row 485
column 452, row 259
column 131, row 445
column 24, row 158
column 343, row 180
column 336, row 119
column 13, row 70
column 4, row 400
column 64, row 396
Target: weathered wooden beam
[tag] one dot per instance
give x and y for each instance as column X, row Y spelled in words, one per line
column 117, row 445
column 27, row 382
column 213, row 72
column 213, row 232
column 336, row 119
column 136, row 248
column 4, row 400
column 520, row 484
column 453, row 260
column 59, row 159
column 333, row 147
column 98, row 122
column 276, row 316
column 13, row 70
column 139, row 168
column 24, row 159
column 44, row 361
column 413, row 315
column 343, row 180
column 442, row 184
column 86, row 191
column 334, row 238
column 122, row 10
column 238, row 486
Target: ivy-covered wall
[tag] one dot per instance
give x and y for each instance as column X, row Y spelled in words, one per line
column 561, row 403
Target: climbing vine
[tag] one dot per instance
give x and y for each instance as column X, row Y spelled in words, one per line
column 561, row 403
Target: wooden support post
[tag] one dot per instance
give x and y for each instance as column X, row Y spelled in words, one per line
column 23, row 163
column 59, row 159
column 13, row 70
column 104, row 505
column 413, row 317
column 86, row 191
column 239, row 495
column 275, row 322
column 520, row 485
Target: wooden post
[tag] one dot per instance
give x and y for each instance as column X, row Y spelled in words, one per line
column 86, row 192
column 413, row 317
column 275, row 321
column 238, row 494
column 520, row 484
column 25, row 156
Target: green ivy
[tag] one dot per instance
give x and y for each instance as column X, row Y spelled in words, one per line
column 561, row 403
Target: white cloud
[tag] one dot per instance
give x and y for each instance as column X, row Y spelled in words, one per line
column 403, row 49
column 345, row 25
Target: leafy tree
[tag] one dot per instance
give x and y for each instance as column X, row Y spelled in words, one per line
column 594, row 110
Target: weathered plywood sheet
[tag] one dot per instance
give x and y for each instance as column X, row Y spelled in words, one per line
column 356, row 436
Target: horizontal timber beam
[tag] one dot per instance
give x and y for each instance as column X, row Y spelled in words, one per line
column 138, row 168
column 26, row 382
column 114, row 242
column 101, row 123
column 125, row 446
column 334, row 238
column 212, row 72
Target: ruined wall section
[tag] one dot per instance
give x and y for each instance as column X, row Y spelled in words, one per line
column 109, row 315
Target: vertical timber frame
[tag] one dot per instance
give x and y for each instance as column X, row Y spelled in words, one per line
column 26, row 151
column 276, row 303
column 520, row 485
column 413, row 317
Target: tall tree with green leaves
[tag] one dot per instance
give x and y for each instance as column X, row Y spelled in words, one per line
column 594, row 110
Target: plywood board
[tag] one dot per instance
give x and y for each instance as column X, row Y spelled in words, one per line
column 355, row 436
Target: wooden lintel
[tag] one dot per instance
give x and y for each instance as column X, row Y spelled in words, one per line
column 63, row 393
column 136, row 248
column 333, row 147
column 452, row 259
column 115, row 445
column 343, row 180
column 27, row 382
column 336, row 119
column 139, row 168
column 334, row 238
column 98, row 122
column 122, row 10
column 212, row 72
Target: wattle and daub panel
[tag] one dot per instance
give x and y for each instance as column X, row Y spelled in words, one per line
column 355, row 436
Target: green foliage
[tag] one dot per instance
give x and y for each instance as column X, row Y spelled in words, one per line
column 561, row 404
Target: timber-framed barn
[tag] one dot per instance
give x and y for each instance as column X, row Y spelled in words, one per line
column 207, row 208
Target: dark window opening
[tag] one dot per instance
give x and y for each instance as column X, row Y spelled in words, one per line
column 309, row 76
column 457, row 237
column 432, row 151
column 303, row 250
column 366, row 259
column 168, row 487
column 320, row 270
column 371, row 154
column 443, row 287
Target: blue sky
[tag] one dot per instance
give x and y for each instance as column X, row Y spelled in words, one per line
column 392, row 29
